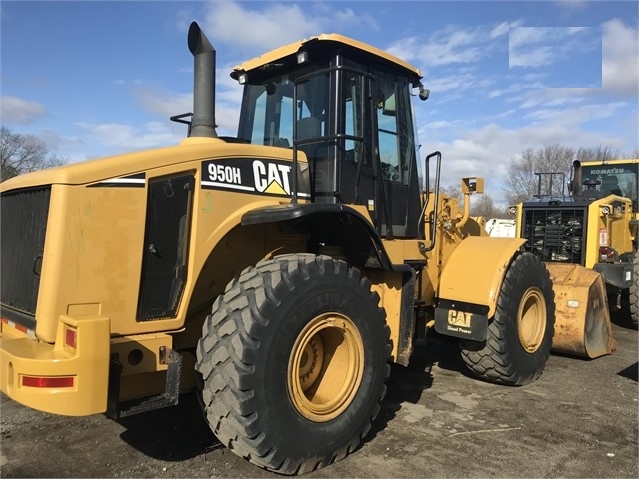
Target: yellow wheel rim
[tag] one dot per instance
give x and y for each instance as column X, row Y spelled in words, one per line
column 325, row 367
column 531, row 320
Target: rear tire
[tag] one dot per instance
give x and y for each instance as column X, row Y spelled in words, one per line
column 634, row 292
column 520, row 333
column 293, row 362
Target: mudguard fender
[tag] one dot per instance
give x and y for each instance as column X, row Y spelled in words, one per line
column 469, row 285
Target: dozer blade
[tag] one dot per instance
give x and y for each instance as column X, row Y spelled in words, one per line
column 582, row 322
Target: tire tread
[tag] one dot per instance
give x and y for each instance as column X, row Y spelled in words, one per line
column 230, row 334
column 493, row 359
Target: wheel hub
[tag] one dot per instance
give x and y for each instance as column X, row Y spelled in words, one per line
column 531, row 320
column 325, row 367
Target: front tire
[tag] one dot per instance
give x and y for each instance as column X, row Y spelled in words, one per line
column 520, row 334
column 293, row 362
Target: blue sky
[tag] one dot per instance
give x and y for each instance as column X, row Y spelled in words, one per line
column 101, row 78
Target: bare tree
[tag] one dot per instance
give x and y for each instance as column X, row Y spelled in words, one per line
column 523, row 181
column 598, row 153
column 480, row 204
column 453, row 191
column 546, row 171
column 23, row 153
column 483, row 205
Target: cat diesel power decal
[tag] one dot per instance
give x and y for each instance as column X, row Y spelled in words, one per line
column 461, row 320
column 258, row 176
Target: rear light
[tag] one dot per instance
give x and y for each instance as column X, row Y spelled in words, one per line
column 70, row 338
column 607, row 254
column 48, row 381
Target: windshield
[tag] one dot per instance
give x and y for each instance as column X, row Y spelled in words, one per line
column 614, row 179
column 270, row 108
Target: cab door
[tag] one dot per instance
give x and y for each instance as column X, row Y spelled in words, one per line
column 395, row 151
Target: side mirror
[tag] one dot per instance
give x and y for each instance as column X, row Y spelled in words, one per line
column 472, row 185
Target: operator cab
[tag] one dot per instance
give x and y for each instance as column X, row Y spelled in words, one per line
column 347, row 107
column 612, row 179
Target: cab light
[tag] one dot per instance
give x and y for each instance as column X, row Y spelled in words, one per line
column 302, row 57
column 48, row 381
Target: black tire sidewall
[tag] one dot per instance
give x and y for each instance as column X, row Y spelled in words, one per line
column 287, row 429
column 525, row 272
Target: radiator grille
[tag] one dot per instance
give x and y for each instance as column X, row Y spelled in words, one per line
column 555, row 234
column 23, row 228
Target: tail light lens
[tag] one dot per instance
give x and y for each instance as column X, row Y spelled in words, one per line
column 608, row 254
column 48, row 381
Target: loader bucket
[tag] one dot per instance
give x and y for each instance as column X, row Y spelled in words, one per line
column 582, row 322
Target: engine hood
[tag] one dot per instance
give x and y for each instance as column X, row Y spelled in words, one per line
column 131, row 163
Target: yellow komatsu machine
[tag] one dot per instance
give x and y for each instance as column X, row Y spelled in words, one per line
column 277, row 272
column 592, row 234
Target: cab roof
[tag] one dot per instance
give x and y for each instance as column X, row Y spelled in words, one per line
column 333, row 40
column 616, row 161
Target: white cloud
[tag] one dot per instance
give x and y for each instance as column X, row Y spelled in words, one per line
column 576, row 116
column 532, row 47
column 122, row 137
column 456, row 83
column 230, row 21
column 620, row 69
column 263, row 29
column 453, row 44
column 164, row 103
column 438, row 124
column 486, row 151
column 501, row 115
column 22, row 112
column 550, row 97
column 501, row 29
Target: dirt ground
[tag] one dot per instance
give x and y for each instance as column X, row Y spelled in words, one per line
column 578, row 420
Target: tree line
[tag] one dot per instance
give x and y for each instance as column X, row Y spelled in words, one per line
column 20, row 153
column 542, row 171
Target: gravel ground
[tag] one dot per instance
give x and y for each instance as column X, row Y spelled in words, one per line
column 578, row 420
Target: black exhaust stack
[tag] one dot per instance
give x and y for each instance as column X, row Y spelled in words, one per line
column 577, row 178
column 203, row 121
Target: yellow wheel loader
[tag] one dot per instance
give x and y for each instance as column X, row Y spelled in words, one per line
column 594, row 230
column 277, row 272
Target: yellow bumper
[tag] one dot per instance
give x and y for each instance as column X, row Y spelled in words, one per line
column 58, row 378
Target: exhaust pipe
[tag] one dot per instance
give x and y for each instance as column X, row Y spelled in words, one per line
column 577, row 179
column 203, row 121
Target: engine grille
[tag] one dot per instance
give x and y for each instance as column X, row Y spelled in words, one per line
column 164, row 261
column 555, row 234
column 23, row 229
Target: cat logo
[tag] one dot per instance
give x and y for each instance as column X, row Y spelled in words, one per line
column 459, row 318
column 272, row 178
